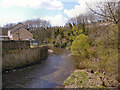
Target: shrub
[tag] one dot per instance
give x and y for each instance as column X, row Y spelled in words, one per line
column 80, row 45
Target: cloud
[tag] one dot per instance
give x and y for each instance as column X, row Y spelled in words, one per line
column 58, row 20
column 77, row 10
column 8, row 19
column 81, row 8
column 48, row 4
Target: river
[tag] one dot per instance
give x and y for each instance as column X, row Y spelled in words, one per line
column 49, row 73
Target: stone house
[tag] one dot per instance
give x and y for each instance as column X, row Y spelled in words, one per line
column 19, row 32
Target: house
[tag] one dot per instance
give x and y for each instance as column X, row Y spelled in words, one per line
column 19, row 32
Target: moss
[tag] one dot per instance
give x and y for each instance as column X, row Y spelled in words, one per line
column 99, row 86
column 79, row 82
column 69, row 81
column 96, row 73
column 81, row 79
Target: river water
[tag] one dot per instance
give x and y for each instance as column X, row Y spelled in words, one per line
column 50, row 73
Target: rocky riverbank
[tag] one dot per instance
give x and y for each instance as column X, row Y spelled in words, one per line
column 89, row 79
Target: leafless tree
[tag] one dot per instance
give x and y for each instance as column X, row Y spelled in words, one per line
column 82, row 19
column 8, row 26
column 108, row 10
column 37, row 23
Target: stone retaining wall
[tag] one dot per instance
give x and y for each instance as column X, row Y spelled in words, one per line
column 24, row 57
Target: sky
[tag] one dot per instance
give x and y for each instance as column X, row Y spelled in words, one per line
column 58, row 12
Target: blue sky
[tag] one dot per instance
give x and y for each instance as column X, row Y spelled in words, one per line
column 55, row 11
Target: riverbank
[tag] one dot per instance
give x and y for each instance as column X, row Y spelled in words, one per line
column 49, row 73
column 22, row 58
column 110, row 80
column 88, row 79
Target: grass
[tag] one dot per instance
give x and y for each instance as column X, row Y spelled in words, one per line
column 84, row 79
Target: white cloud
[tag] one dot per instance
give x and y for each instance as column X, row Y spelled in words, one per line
column 77, row 10
column 58, row 20
column 82, row 7
column 48, row 4
column 8, row 19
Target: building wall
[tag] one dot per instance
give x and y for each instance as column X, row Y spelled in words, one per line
column 22, row 34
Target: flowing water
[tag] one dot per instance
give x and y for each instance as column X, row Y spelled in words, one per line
column 50, row 73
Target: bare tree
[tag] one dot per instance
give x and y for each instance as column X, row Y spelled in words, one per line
column 37, row 23
column 8, row 26
column 108, row 10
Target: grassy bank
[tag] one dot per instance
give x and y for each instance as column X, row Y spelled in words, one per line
column 88, row 79
column 21, row 58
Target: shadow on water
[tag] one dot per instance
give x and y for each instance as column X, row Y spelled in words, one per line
column 48, row 74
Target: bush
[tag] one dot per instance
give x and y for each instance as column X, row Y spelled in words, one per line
column 80, row 46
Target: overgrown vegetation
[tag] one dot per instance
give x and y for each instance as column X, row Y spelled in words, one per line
column 97, row 51
column 102, row 53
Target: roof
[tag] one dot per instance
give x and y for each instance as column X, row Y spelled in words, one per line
column 16, row 30
column 17, row 27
